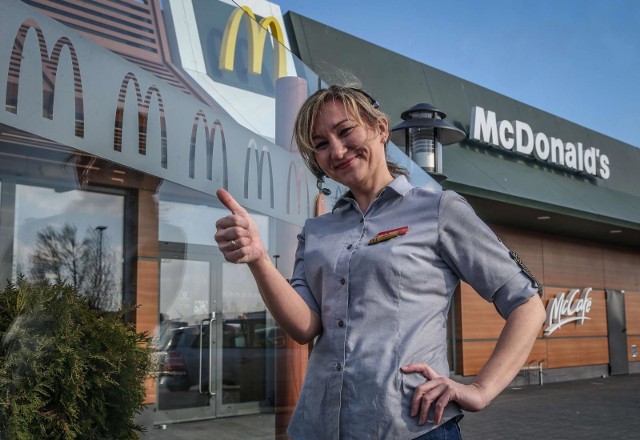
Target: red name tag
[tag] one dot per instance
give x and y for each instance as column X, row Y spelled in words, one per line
column 388, row 235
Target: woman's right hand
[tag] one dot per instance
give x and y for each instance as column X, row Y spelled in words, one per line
column 237, row 235
column 238, row 239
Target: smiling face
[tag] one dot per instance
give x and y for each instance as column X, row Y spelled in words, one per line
column 350, row 152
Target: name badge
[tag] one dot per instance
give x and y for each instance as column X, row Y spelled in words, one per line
column 388, row 235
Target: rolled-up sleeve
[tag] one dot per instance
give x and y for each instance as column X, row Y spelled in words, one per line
column 298, row 279
column 472, row 250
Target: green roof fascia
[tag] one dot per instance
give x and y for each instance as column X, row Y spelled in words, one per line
column 487, row 173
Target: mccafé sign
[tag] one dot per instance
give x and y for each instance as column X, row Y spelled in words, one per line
column 518, row 136
column 567, row 307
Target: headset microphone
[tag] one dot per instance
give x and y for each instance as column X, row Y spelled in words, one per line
column 319, row 182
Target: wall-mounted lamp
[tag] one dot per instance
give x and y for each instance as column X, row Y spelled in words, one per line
column 422, row 134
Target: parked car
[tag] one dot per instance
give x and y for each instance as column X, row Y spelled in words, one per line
column 180, row 358
column 247, row 359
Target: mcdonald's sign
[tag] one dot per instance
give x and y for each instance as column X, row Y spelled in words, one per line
column 210, row 143
column 49, row 73
column 257, row 34
column 143, row 116
column 298, row 175
column 260, row 162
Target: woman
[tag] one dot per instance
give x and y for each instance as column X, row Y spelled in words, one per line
column 373, row 281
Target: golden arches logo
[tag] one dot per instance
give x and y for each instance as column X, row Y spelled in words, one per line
column 49, row 73
column 260, row 155
column 298, row 176
column 143, row 116
column 210, row 135
column 257, row 33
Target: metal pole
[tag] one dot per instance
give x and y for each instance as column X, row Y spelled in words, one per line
column 100, row 230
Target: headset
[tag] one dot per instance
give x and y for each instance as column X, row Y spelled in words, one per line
column 371, row 99
column 320, row 182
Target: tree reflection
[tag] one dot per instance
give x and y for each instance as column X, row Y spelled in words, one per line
column 87, row 264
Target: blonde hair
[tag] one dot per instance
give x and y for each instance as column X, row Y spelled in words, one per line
column 358, row 104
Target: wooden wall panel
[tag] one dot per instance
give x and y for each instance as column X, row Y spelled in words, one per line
column 147, row 272
column 595, row 326
column 621, row 269
column 632, row 312
column 147, row 224
column 538, row 353
column 151, row 387
column 528, row 245
column 147, row 296
column 476, row 354
column 572, row 263
column 573, row 352
column 561, row 264
column 146, row 315
column 480, row 319
column 633, row 340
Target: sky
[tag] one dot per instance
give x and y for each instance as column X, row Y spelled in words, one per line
column 577, row 59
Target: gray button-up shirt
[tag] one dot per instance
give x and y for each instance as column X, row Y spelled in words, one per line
column 384, row 305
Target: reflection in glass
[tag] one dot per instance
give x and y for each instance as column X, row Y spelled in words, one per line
column 231, row 356
column 184, row 291
column 72, row 236
column 184, row 334
column 248, row 345
column 177, row 223
column 186, row 338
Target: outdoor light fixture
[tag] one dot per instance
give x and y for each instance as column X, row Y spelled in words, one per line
column 422, row 134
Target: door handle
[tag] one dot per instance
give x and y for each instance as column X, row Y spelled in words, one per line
column 210, row 342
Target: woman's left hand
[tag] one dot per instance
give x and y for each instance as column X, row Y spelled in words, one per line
column 438, row 391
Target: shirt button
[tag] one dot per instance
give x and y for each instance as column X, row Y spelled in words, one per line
column 350, row 246
column 362, row 220
column 342, row 281
column 338, row 367
column 341, row 323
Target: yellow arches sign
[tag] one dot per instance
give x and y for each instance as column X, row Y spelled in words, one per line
column 257, row 33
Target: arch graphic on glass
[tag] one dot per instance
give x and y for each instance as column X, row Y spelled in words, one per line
column 49, row 73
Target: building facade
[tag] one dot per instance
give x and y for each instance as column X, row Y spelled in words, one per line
column 562, row 196
column 122, row 119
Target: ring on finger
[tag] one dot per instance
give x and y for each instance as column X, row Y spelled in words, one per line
column 233, row 243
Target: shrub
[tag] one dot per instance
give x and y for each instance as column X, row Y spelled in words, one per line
column 67, row 371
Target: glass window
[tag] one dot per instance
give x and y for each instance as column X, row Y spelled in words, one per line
column 184, row 291
column 72, row 236
column 177, row 223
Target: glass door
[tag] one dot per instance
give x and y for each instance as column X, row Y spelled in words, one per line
column 247, row 347
column 216, row 342
column 188, row 334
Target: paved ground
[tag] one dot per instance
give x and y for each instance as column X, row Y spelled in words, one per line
column 593, row 409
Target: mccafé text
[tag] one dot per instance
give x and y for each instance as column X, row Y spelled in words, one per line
column 566, row 308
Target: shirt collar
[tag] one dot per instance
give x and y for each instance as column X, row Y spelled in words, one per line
column 400, row 185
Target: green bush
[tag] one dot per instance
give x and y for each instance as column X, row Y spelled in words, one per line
column 67, row 371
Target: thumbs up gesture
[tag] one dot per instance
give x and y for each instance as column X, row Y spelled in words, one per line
column 237, row 235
